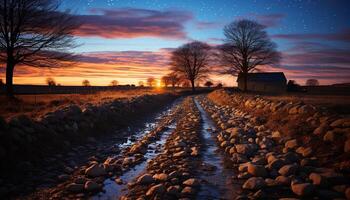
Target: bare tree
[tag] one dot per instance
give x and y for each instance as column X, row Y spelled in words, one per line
column 246, row 47
column 141, row 83
column 174, row 79
column 34, row 33
column 208, row 84
column 166, row 80
column 151, row 81
column 50, row 82
column 191, row 61
column 114, row 83
column 185, row 83
column 86, row 83
column 312, row 82
column 219, row 85
column 1, row 82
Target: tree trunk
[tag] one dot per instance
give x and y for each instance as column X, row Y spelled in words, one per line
column 9, row 77
column 245, row 81
column 192, row 84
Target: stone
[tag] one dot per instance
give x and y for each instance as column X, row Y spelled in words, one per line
column 188, row 191
column 341, row 123
column 306, row 109
column 257, row 170
column 275, row 163
column 294, row 110
column 145, row 179
column 317, row 179
column 160, row 177
column 179, row 154
column 259, row 160
column 234, row 132
column 173, row 190
column 347, row 146
column 254, row 183
column 329, row 136
column 291, row 144
column 304, row 151
column 91, row 186
column 276, row 134
column 321, row 129
column 95, row 170
column 245, row 149
column 302, row 189
column 224, row 144
column 283, row 180
column 75, row 188
column 288, row 170
column 118, row 181
column 195, row 151
column 191, row 182
column 157, row 189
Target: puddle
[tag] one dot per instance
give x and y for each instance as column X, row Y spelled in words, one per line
column 114, row 190
column 217, row 182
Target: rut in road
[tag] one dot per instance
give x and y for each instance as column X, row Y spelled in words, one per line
column 175, row 174
column 216, row 179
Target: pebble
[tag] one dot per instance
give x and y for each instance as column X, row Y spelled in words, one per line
column 257, row 170
column 95, row 170
column 91, row 186
column 254, row 183
column 302, row 189
column 157, row 189
column 145, row 179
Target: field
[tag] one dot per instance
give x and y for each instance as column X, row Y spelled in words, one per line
column 34, row 105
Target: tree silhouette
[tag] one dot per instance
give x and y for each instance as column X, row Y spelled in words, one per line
column 246, row 46
column 114, row 83
column 312, row 82
column 191, row 61
column 174, row 79
column 151, row 81
column 86, row 83
column 1, row 82
column 34, row 33
column 166, row 80
column 50, row 82
column 141, row 83
column 219, row 85
column 209, row 84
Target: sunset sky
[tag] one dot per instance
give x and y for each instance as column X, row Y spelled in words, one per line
column 130, row 40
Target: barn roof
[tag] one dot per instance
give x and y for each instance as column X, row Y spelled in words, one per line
column 265, row 77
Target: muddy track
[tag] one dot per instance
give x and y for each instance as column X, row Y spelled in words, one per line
column 200, row 150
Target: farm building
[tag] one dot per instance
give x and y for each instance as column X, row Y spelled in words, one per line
column 270, row 82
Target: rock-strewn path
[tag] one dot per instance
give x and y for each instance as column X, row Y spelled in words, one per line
column 88, row 179
column 271, row 166
column 204, row 150
column 171, row 175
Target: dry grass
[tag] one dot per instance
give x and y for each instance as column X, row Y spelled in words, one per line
column 337, row 103
column 37, row 105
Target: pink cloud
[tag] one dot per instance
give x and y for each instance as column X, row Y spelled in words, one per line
column 133, row 23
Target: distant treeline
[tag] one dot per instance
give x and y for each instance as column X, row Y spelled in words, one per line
column 44, row 89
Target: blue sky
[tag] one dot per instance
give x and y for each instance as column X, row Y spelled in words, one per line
column 312, row 35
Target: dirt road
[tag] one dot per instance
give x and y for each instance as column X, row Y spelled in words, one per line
column 200, row 150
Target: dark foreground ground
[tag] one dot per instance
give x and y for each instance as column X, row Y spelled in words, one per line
column 220, row 145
